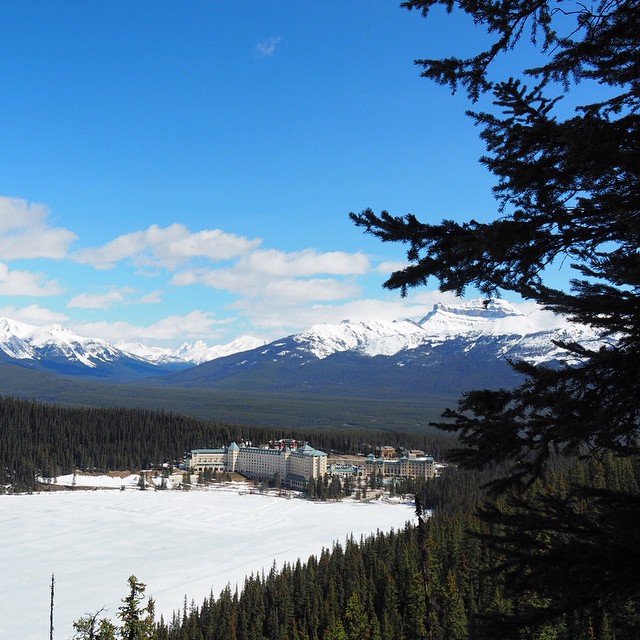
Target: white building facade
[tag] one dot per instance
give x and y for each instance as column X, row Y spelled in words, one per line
column 423, row 467
column 294, row 467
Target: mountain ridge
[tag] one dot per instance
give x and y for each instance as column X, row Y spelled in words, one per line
column 493, row 327
column 377, row 374
column 451, row 351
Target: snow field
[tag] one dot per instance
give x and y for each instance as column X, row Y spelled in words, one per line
column 178, row 543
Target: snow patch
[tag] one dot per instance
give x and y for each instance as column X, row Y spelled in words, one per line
column 176, row 542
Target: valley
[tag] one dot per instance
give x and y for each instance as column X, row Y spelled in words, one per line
column 388, row 375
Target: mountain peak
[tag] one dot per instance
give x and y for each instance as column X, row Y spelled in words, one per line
column 491, row 316
column 15, row 328
column 468, row 320
column 486, row 309
column 200, row 352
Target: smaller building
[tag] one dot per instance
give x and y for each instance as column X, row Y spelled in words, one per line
column 285, row 443
column 208, row 460
column 387, row 452
column 404, row 467
column 343, row 470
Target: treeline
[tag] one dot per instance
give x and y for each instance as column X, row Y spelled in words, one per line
column 39, row 439
column 438, row 581
column 367, row 588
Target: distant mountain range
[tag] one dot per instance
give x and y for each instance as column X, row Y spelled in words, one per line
column 54, row 348
column 452, row 349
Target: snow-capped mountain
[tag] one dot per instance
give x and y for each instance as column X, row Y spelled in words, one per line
column 471, row 321
column 25, row 342
column 57, row 348
column 11, row 339
column 153, row 355
column 191, row 353
column 452, row 349
column 474, row 338
column 199, row 352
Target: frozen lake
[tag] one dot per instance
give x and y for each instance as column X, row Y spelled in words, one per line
column 176, row 542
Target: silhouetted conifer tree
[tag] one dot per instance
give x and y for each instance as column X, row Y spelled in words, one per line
column 568, row 191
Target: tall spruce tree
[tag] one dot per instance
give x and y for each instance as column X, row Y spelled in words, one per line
column 137, row 620
column 568, row 192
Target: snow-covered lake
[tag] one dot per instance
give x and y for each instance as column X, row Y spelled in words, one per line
column 178, row 543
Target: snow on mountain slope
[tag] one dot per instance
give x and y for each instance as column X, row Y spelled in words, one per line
column 370, row 338
column 515, row 334
column 155, row 355
column 489, row 317
column 56, row 342
column 12, row 339
column 15, row 328
column 192, row 353
column 469, row 320
column 200, row 352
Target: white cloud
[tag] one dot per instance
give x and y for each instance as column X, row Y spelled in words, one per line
column 186, row 278
column 275, row 320
column 268, row 47
column 538, row 317
column 277, row 291
column 307, row 262
column 422, row 300
column 313, row 290
column 273, row 274
column 260, row 286
column 390, row 266
column 26, row 283
column 33, row 314
column 99, row 300
column 112, row 297
column 154, row 297
column 191, row 326
column 26, row 233
column 167, row 247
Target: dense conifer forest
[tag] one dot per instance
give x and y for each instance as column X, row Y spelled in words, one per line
column 446, row 579
column 48, row 440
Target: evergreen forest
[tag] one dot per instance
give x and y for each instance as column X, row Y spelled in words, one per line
column 439, row 580
column 49, row 440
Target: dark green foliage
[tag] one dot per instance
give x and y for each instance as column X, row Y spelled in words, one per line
column 356, row 407
column 578, row 528
column 39, row 439
column 437, row 580
column 137, row 620
column 325, row 488
column 568, row 192
column 351, row 592
column 93, row 627
column 569, row 189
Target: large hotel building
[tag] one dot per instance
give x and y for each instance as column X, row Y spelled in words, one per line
column 295, row 466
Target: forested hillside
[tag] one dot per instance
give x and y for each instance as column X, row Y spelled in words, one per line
column 46, row 440
column 255, row 407
column 440, row 580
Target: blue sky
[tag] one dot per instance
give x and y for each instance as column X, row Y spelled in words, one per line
column 174, row 171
